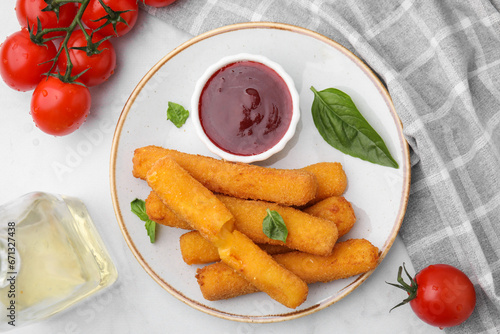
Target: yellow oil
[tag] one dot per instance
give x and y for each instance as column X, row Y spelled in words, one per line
column 60, row 259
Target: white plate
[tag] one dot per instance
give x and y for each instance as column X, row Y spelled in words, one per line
column 378, row 194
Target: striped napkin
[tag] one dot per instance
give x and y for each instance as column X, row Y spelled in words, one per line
column 440, row 60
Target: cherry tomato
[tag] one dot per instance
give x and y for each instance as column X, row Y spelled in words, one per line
column 22, row 62
column 99, row 66
column 28, row 10
column 441, row 295
column 158, row 3
column 94, row 13
column 59, row 108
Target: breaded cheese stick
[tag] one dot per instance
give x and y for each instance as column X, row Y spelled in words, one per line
column 306, row 233
column 194, row 203
column 259, row 268
column 189, row 199
column 197, row 250
column 336, row 209
column 158, row 212
column 287, row 187
column 349, row 258
column 274, row 249
column 331, row 178
column 218, row 281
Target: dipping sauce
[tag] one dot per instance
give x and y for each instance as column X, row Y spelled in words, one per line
column 245, row 108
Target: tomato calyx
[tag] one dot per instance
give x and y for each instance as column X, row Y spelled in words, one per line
column 92, row 48
column 37, row 36
column 53, row 6
column 411, row 288
column 112, row 17
column 67, row 77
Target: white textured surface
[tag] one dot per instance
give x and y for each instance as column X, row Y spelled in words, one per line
column 78, row 165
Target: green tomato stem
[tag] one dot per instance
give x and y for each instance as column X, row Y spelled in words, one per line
column 66, row 34
column 411, row 289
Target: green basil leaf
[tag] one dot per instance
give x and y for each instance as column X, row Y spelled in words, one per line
column 138, row 207
column 151, row 230
column 177, row 114
column 274, row 227
column 342, row 126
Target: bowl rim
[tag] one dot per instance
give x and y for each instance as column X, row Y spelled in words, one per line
column 205, row 77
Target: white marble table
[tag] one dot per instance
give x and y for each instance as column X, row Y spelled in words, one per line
column 78, row 165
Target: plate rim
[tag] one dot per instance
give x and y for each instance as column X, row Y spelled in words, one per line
column 226, row 29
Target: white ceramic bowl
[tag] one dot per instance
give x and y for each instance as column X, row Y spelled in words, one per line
column 195, row 115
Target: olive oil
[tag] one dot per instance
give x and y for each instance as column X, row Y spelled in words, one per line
column 51, row 256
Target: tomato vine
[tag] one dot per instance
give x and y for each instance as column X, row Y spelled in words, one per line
column 113, row 18
column 63, row 48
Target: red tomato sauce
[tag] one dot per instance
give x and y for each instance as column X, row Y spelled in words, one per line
column 245, row 108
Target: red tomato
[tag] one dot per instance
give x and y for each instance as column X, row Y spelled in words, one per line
column 31, row 9
column 440, row 295
column 158, row 3
column 94, row 13
column 100, row 65
column 59, row 108
column 22, row 62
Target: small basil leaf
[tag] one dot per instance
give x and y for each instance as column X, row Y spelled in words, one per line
column 177, row 114
column 274, row 227
column 342, row 126
column 138, row 207
column 151, row 230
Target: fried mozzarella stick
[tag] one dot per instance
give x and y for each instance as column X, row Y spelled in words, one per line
column 349, row 258
column 197, row 250
column 197, row 205
column 331, row 178
column 158, row 212
column 219, row 281
column 306, row 233
column 336, row 209
column 189, row 200
column 287, row 187
column 256, row 266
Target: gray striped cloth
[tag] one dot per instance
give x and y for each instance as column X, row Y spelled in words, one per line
column 440, row 60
